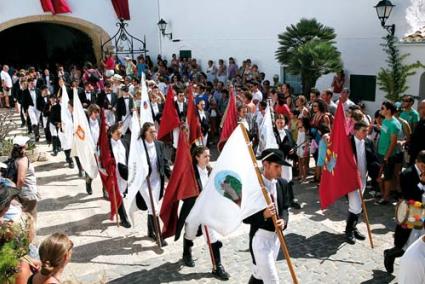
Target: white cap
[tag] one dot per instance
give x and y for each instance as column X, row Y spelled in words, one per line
column 127, row 58
column 117, row 77
column 20, row 140
column 3, row 165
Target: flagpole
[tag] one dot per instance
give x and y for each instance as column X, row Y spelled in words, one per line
column 279, row 231
column 207, row 233
column 366, row 218
column 115, row 204
column 155, row 217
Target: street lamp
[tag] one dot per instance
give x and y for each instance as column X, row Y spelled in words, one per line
column 383, row 9
column 162, row 27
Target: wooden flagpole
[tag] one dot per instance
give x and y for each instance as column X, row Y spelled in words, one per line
column 366, row 218
column 206, row 228
column 155, row 217
column 115, row 204
column 279, row 231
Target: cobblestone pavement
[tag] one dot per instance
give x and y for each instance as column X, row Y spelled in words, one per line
column 106, row 253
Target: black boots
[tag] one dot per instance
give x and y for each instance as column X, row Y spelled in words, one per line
column 55, row 145
column 254, row 280
column 88, row 186
column 389, row 257
column 187, row 253
column 351, row 232
column 123, row 217
column 36, row 131
column 80, row 168
column 151, row 231
column 219, row 271
column 69, row 159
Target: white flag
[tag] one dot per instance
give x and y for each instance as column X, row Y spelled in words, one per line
column 83, row 142
column 138, row 168
column 233, row 191
column 67, row 132
column 145, row 104
column 267, row 138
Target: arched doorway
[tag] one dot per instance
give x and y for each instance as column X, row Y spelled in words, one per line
column 76, row 33
column 41, row 44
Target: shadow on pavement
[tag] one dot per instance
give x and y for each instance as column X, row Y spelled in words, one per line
column 379, row 276
column 321, row 245
column 95, row 222
column 167, row 272
column 57, row 204
column 119, row 246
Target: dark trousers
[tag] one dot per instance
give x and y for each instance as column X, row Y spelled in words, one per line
column 401, row 235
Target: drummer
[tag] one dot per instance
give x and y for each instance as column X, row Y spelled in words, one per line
column 412, row 183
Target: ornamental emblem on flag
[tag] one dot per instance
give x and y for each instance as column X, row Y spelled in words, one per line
column 145, row 105
column 80, row 133
column 229, row 185
column 330, row 160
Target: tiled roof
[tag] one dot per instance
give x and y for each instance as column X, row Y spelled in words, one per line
column 418, row 36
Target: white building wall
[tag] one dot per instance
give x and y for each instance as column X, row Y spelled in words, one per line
column 246, row 28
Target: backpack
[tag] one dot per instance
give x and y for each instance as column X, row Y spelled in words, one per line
column 11, row 172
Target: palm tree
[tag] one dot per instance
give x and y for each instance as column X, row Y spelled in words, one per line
column 308, row 49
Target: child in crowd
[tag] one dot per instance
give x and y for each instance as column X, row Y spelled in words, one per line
column 324, row 132
column 303, row 148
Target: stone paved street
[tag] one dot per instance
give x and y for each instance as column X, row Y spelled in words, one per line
column 104, row 252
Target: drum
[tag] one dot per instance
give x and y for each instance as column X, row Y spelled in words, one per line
column 410, row 214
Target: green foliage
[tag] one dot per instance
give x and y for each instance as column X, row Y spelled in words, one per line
column 393, row 79
column 308, row 49
column 14, row 244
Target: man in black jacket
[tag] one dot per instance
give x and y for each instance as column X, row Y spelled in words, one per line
column 368, row 165
column 108, row 101
column 263, row 241
column 412, row 183
column 417, row 139
column 33, row 104
column 88, row 96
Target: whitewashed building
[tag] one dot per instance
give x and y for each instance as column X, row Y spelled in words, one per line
column 240, row 28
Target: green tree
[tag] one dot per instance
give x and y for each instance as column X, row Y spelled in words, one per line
column 393, row 79
column 308, row 50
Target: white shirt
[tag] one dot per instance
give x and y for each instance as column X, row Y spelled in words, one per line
column 94, row 129
column 109, row 96
column 361, row 159
column 33, row 96
column 88, row 96
column 202, row 115
column 180, row 105
column 412, row 264
column 420, row 185
column 282, row 134
column 203, row 175
column 127, row 105
column 257, row 96
column 271, row 188
column 118, row 150
column 6, row 78
column 154, row 178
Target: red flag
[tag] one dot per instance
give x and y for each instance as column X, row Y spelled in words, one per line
column 193, row 122
column 230, row 121
column 170, row 118
column 47, row 6
column 340, row 173
column 55, row 6
column 121, row 9
column 182, row 185
column 61, row 7
column 108, row 171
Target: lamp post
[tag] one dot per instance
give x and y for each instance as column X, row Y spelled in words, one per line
column 383, row 10
column 162, row 27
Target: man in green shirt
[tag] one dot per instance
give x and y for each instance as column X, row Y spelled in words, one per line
column 409, row 114
column 387, row 148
